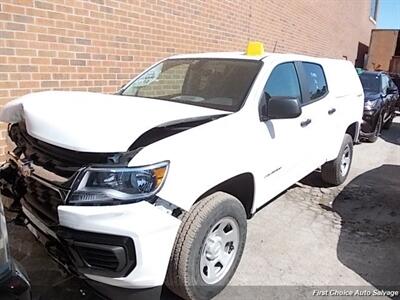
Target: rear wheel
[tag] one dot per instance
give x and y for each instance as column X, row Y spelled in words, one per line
column 335, row 171
column 208, row 247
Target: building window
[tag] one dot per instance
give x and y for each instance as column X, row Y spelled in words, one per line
column 374, row 9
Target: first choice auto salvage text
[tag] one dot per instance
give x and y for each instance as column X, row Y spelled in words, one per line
column 355, row 292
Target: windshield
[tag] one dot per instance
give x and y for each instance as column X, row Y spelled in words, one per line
column 370, row 82
column 215, row 83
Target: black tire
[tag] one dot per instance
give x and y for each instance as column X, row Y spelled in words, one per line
column 378, row 129
column 388, row 123
column 331, row 171
column 184, row 277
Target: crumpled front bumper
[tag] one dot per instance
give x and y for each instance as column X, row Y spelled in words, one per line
column 152, row 231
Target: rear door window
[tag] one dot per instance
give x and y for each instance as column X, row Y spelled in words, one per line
column 316, row 86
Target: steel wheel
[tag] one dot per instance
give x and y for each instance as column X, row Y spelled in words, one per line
column 345, row 162
column 219, row 250
column 208, row 248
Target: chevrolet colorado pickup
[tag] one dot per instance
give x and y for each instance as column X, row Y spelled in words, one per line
column 155, row 183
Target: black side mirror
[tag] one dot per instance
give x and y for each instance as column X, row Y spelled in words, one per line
column 280, row 108
column 391, row 91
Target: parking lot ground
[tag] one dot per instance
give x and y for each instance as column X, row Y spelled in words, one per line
column 310, row 238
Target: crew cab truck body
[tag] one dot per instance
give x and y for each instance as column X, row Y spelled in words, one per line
column 155, row 184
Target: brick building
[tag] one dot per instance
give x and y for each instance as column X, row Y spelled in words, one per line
column 97, row 45
column 384, row 50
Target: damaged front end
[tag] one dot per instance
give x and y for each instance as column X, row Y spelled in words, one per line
column 39, row 177
column 102, row 241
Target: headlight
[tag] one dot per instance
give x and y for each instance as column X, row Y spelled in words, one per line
column 4, row 255
column 370, row 105
column 126, row 184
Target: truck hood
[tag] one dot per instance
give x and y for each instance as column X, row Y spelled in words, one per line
column 371, row 96
column 92, row 122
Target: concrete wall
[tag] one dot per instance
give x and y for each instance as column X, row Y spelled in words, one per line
column 382, row 48
column 97, row 45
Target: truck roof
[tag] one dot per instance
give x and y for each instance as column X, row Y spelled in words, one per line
column 228, row 55
column 243, row 55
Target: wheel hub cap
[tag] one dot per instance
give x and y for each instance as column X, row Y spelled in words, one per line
column 219, row 250
column 213, row 248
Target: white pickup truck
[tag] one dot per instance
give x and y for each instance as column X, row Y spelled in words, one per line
column 155, row 183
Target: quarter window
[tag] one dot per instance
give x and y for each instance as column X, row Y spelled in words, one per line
column 283, row 82
column 315, row 81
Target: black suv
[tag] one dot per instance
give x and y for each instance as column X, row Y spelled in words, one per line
column 381, row 95
column 13, row 281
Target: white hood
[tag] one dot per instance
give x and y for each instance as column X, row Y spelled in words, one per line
column 92, row 122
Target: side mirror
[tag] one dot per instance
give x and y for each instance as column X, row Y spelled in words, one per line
column 280, row 108
column 391, row 91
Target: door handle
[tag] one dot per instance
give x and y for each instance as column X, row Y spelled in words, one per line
column 331, row 111
column 305, row 123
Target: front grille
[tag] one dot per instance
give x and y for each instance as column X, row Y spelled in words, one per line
column 43, row 200
column 61, row 161
column 99, row 258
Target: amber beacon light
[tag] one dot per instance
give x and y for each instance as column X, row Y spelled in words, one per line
column 255, row 48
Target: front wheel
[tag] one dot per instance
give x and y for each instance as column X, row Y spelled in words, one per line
column 377, row 131
column 335, row 171
column 208, row 247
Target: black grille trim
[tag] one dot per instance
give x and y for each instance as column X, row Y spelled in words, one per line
column 61, row 161
column 103, row 257
column 99, row 254
column 43, row 200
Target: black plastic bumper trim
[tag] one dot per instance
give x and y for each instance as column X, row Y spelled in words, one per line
column 99, row 254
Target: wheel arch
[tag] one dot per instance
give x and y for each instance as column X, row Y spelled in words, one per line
column 353, row 130
column 241, row 186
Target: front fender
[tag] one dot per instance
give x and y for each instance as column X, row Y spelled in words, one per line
column 200, row 158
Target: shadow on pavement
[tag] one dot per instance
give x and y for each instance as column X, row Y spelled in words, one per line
column 314, row 179
column 77, row 289
column 392, row 135
column 369, row 242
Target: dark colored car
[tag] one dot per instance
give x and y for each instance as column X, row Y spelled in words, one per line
column 380, row 100
column 14, row 283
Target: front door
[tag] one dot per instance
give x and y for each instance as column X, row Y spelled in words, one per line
column 287, row 143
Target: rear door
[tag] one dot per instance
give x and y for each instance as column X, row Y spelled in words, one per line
column 318, row 111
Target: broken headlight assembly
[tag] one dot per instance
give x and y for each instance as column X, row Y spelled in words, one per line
column 119, row 185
